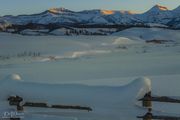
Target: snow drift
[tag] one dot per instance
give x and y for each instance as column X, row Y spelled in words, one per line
column 123, row 41
column 107, row 102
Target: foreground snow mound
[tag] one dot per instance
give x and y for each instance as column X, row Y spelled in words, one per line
column 14, row 77
column 146, row 86
column 107, row 102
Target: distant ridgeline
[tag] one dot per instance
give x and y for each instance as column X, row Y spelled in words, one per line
column 89, row 22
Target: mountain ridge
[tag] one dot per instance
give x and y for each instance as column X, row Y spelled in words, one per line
column 61, row 16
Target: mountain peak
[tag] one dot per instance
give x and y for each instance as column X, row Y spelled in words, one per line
column 58, row 10
column 159, row 8
column 107, row 12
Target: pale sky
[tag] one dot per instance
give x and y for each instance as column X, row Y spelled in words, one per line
column 16, row 7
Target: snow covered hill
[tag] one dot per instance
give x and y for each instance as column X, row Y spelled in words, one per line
column 150, row 34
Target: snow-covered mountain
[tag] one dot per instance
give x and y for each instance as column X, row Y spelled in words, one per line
column 158, row 15
column 62, row 15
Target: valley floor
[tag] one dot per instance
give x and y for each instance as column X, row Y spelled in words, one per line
column 97, row 61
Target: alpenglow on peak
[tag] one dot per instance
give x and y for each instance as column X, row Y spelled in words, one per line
column 58, row 10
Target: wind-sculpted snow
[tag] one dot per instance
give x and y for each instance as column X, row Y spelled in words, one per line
column 107, row 102
column 14, row 77
column 87, row 53
column 75, row 55
column 123, row 41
